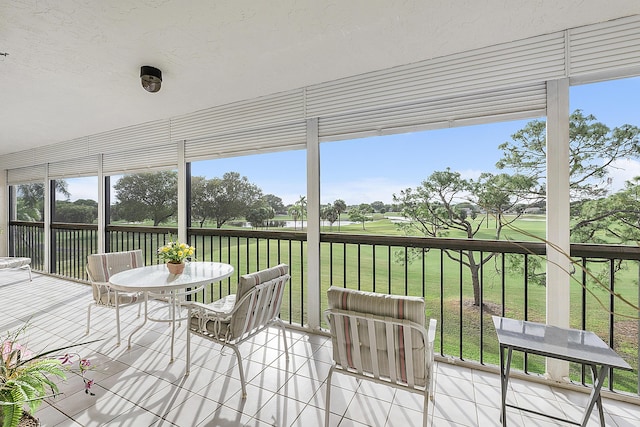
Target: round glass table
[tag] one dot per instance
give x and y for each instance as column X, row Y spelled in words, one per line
column 157, row 282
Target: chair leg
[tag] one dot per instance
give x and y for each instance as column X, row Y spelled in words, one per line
column 88, row 318
column 117, row 321
column 431, row 376
column 327, row 402
column 284, row 338
column 173, row 326
column 188, row 369
column 241, row 369
column 425, row 412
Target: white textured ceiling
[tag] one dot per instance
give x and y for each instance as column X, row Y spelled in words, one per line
column 72, row 68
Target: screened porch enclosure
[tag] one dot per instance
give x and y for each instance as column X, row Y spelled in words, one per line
column 379, row 264
column 525, row 79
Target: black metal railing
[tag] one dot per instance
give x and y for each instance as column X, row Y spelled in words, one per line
column 26, row 239
column 250, row 251
column 73, row 242
column 148, row 239
column 510, row 282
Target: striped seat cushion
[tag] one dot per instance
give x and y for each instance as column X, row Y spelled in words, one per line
column 379, row 306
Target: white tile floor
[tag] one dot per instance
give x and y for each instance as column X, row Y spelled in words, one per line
column 139, row 387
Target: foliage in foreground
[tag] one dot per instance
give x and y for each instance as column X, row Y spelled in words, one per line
column 26, row 379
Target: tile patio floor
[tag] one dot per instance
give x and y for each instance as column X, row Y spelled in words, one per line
column 139, row 387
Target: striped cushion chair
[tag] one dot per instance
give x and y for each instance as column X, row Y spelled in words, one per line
column 381, row 338
column 100, row 268
column 235, row 318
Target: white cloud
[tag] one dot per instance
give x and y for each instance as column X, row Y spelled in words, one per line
column 622, row 170
column 374, row 189
column 470, row 174
column 83, row 188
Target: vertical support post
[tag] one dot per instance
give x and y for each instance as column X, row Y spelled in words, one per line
column 13, row 215
column 313, row 224
column 5, row 200
column 182, row 194
column 102, row 211
column 53, row 237
column 558, row 246
column 48, row 200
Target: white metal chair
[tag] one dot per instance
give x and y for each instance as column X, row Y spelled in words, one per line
column 100, row 267
column 235, row 318
column 381, row 338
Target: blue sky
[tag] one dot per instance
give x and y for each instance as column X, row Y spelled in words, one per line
column 369, row 169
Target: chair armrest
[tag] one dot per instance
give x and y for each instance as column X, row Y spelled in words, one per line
column 193, row 305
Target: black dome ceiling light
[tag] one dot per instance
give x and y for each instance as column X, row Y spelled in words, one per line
column 151, row 78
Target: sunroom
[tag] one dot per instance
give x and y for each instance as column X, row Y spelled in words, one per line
column 247, row 86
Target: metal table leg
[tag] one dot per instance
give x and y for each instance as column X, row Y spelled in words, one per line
column 504, row 381
column 594, row 397
column 146, row 300
column 173, row 321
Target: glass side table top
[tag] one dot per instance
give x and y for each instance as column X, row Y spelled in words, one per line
column 568, row 344
column 157, row 277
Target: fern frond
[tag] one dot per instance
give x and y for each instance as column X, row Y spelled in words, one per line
column 12, row 413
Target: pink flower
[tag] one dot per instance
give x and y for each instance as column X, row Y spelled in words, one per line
column 6, row 349
column 12, row 352
column 66, row 359
column 87, row 387
column 85, row 363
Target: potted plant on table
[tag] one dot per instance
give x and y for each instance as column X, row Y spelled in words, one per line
column 26, row 379
column 175, row 253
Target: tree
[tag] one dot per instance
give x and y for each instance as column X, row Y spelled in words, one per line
column 378, row 206
column 366, row 208
column 358, row 215
column 593, row 151
column 275, row 202
column 616, row 217
column 302, row 209
column 340, row 206
column 500, row 194
column 294, row 211
column 199, row 210
column 230, row 197
column 30, row 204
column 330, row 214
column 259, row 216
column 435, row 207
column 150, row 195
column 222, row 199
column 82, row 211
column 27, row 212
